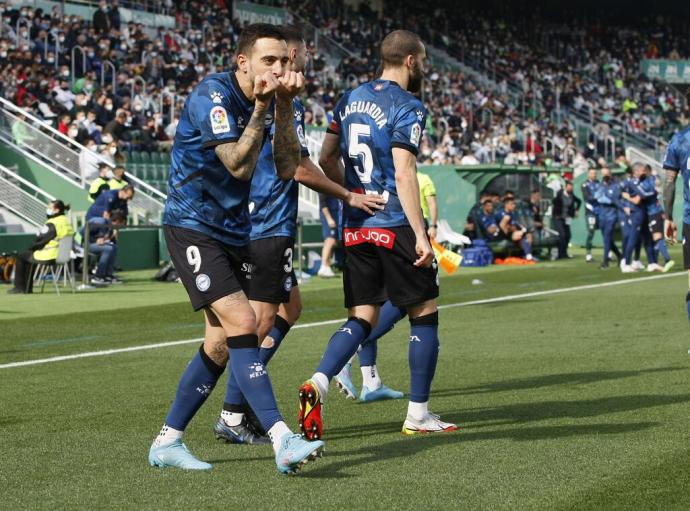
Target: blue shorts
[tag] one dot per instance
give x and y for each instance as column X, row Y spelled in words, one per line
column 326, row 231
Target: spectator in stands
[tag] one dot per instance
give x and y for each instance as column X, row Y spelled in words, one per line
column 109, row 201
column 329, row 214
column 118, row 181
column 89, row 160
column 44, row 249
column 118, row 127
column 103, row 243
column 427, row 196
column 565, row 207
column 101, row 20
column 100, row 184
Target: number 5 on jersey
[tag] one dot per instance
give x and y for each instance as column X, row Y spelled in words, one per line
column 359, row 149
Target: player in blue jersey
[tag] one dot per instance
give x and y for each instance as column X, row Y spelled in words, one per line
column 377, row 129
column 223, row 130
column 608, row 196
column 273, row 292
column 589, row 190
column 655, row 222
column 677, row 160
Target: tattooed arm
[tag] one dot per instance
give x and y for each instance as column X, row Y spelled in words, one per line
column 240, row 157
column 670, row 192
column 286, row 146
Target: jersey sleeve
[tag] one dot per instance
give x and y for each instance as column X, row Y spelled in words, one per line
column 408, row 125
column 427, row 187
column 334, row 126
column 212, row 112
column 672, row 159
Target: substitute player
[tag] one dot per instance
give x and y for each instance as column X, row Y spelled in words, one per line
column 273, row 291
column 677, row 160
column 223, row 129
column 377, row 129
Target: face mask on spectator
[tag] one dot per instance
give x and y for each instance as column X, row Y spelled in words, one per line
column 109, row 106
column 50, row 60
column 24, row 34
column 112, row 151
column 61, row 38
column 199, row 69
column 50, row 211
column 3, row 54
column 65, row 73
column 73, row 132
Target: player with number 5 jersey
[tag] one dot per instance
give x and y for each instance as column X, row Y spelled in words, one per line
column 677, row 160
column 377, row 129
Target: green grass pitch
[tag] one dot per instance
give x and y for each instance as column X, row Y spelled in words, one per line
column 571, row 400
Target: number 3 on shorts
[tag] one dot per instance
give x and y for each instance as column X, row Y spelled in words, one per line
column 288, row 257
column 194, row 257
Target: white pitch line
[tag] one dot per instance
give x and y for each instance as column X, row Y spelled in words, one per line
column 485, row 301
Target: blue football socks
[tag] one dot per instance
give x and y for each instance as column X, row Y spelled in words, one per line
column 423, row 355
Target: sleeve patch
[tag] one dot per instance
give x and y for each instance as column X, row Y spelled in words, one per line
column 415, row 134
column 219, row 120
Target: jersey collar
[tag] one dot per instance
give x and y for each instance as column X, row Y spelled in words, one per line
column 240, row 92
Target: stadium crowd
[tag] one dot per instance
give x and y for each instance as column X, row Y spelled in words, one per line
column 134, row 103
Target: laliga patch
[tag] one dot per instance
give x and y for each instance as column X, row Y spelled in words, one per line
column 300, row 136
column 219, row 120
column 415, row 134
column 203, row 282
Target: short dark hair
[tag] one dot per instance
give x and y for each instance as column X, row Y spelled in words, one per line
column 251, row 33
column 292, row 34
column 118, row 215
column 397, row 45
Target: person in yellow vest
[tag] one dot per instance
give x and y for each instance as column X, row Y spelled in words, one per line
column 118, row 182
column 101, row 183
column 427, row 197
column 44, row 248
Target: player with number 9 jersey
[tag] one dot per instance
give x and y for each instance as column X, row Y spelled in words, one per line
column 371, row 120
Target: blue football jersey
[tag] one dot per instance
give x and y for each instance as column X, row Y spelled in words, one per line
column 589, row 191
column 631, row 185
column 650, row 196
column 678, row 158
column 371, row 120
column 272, row 201
column 202, row 194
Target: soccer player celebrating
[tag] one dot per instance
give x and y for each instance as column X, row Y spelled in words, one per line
column 273, row 292
column 222, row 133
column 677, row 160
column 377, row 128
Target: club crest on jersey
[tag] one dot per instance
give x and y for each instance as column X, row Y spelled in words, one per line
column 415, row 134
column 288, row 285
column 203, row 282
column 219, row 120
column 298, row 115
column 300, row 136
column 217, row 98
column 269, row 120
column 420, row 115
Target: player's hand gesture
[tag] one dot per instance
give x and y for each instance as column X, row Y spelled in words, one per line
column 670, row 231
column 368, row 203
column 265, row 86
column 424, row 252
column 289, row 85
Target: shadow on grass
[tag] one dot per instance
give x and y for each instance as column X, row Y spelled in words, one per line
column 407, row 447
column 549, row 380
column 523, row 413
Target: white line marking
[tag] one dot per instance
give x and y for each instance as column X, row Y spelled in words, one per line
column 499, row 299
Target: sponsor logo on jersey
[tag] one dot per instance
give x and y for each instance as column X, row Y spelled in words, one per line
column 203, row 282
column 219, row 120
column 415, row 134
column 375, row 236
column 247, row 268
column 217, row 98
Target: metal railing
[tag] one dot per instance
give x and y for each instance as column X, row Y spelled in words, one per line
column 22, row 198
column 60, row 154
column 329, row 47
